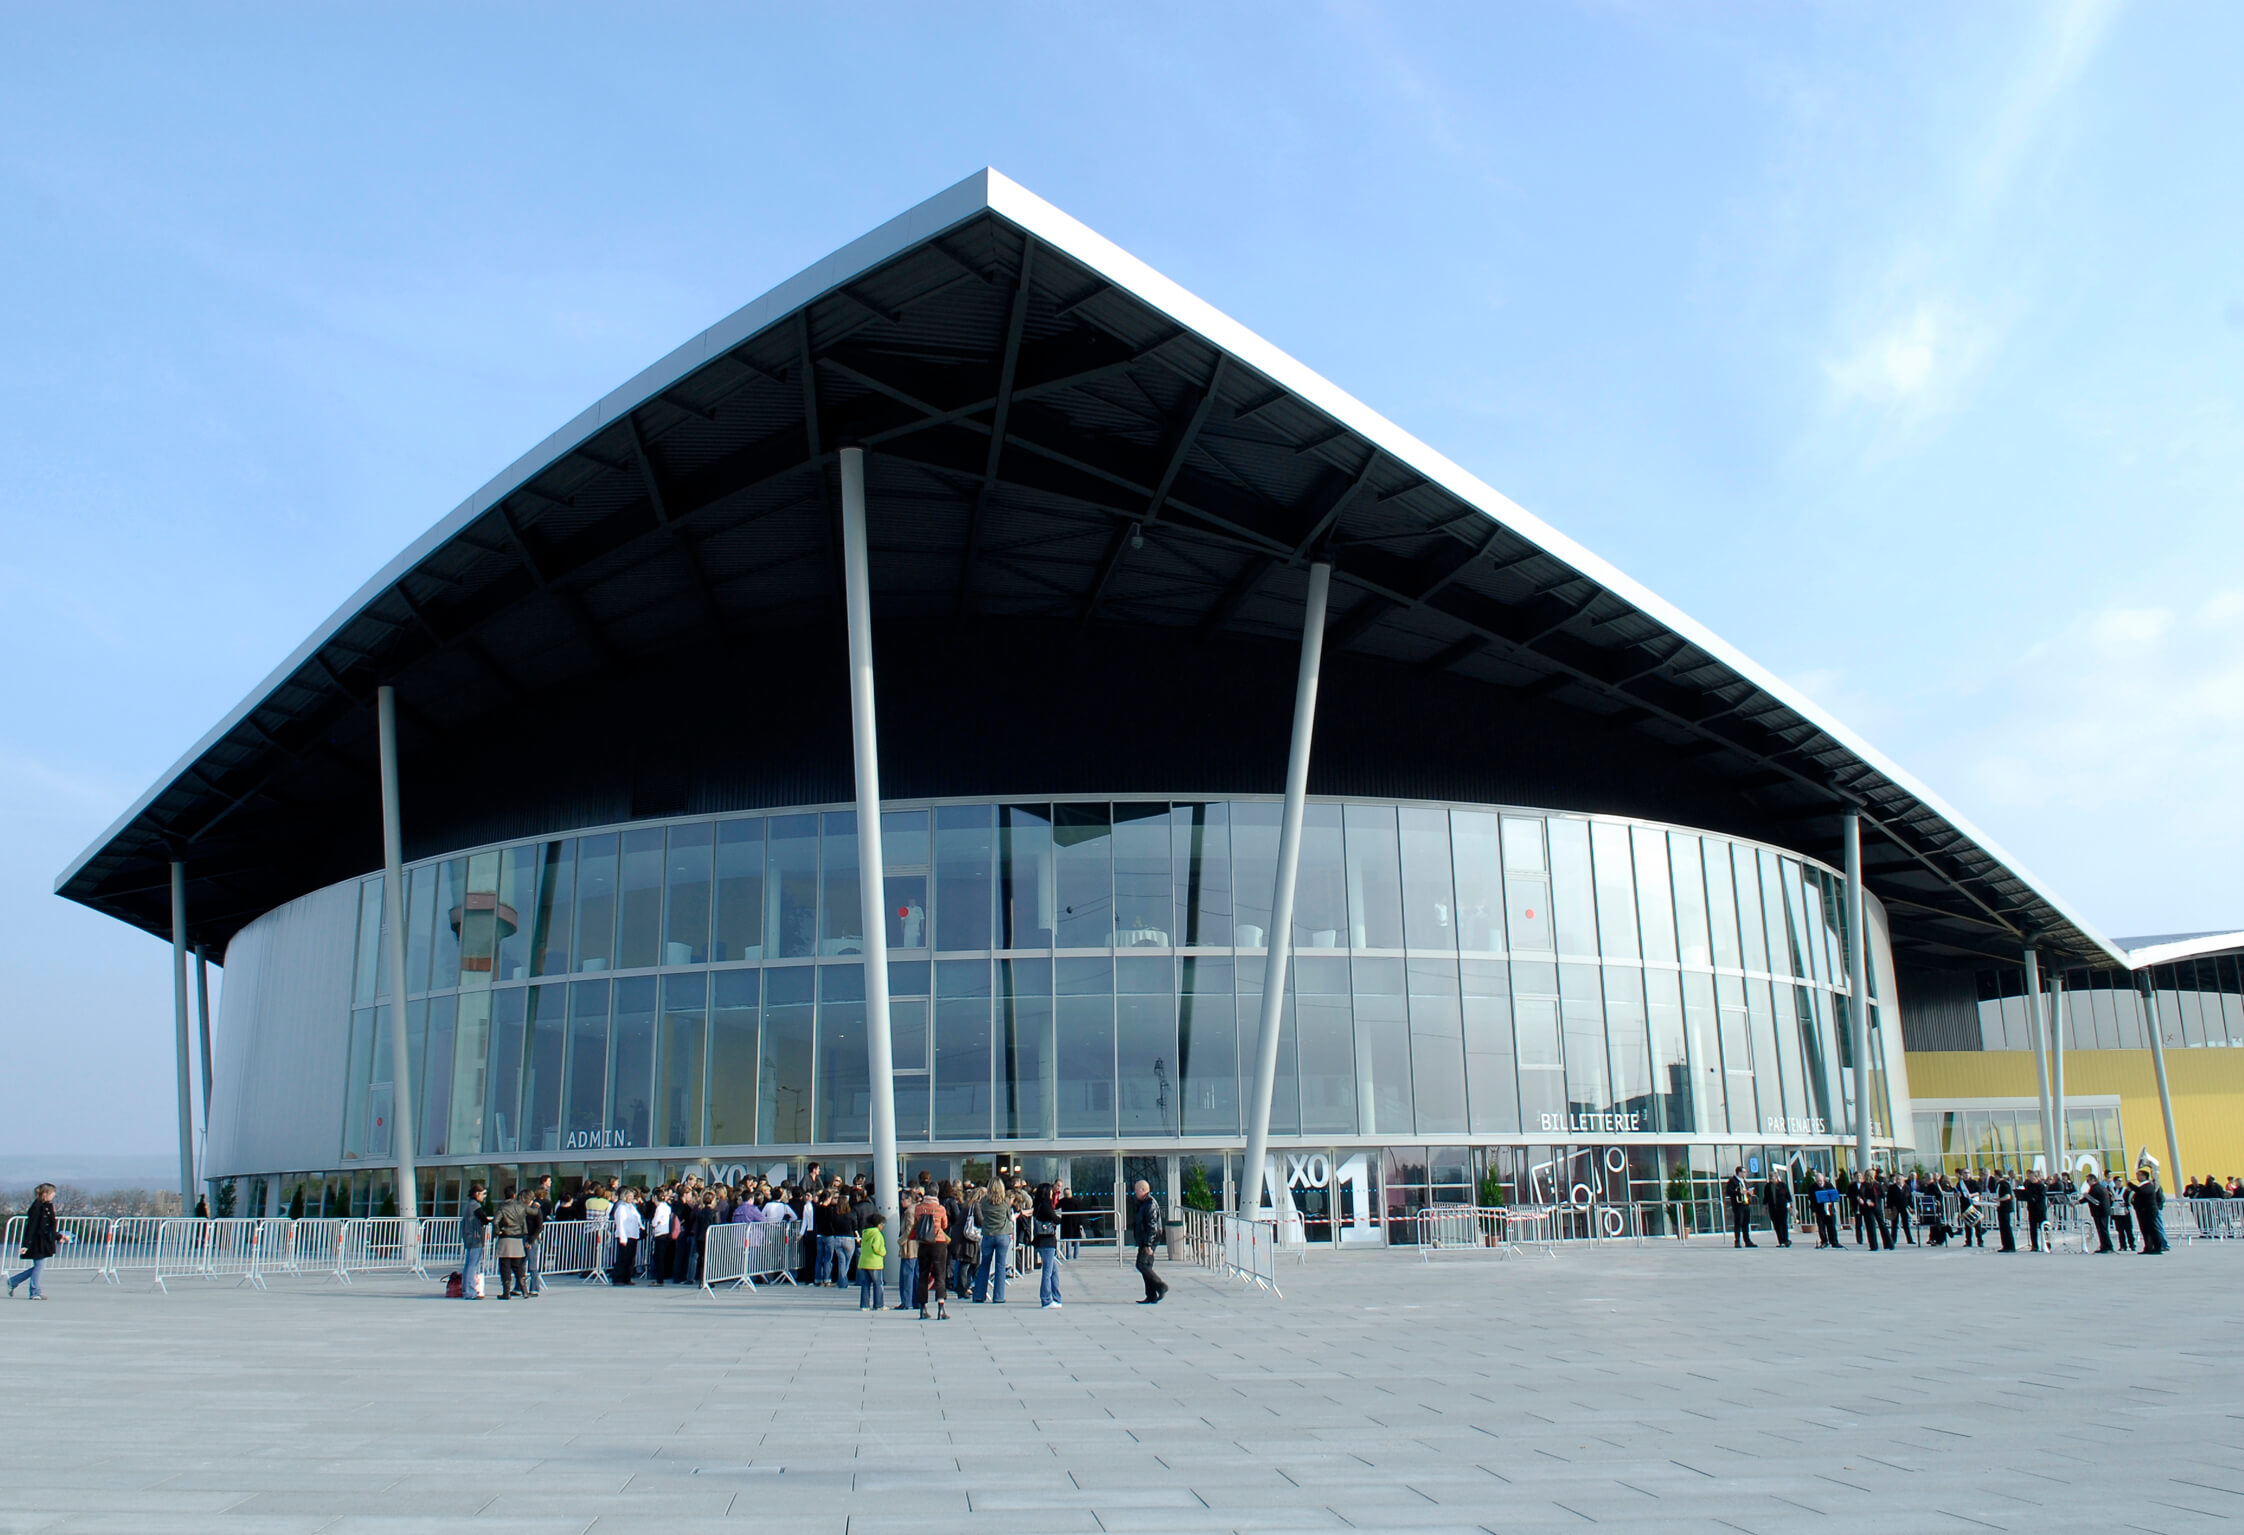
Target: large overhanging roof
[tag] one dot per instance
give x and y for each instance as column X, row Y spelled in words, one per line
column 1081, row 439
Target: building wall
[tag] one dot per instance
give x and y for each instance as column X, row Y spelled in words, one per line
column 2208, row 1088
column 276, row 1049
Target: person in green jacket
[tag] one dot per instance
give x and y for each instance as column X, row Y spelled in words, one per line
column 872, row 1264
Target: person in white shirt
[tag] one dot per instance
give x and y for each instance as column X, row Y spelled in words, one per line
column 628, row 1226
column 657, row 1265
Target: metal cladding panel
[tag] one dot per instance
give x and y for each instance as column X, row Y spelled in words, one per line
column 1892, row 1040
column 283, row 1038
column 1939, row 1011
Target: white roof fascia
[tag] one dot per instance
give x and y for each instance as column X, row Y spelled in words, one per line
column 2185, row 948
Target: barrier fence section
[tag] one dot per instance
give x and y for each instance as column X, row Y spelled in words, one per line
column 82, row 1248
column 2213, row 1220
column 132, row 1244
column 738, row 1254
column 571, row 1249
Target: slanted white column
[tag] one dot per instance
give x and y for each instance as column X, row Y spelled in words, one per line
column 2037, row 1025
column 1280, row 936
column 2174, row 1179
column 202, row 1019
column 1858, row 995
column 179, row 1021
column 857, row 598
column 2061, row 1150
column 393, row 911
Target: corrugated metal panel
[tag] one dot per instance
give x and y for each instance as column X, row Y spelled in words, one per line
column 283, row 1038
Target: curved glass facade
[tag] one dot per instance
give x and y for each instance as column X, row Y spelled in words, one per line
column 1089, row 971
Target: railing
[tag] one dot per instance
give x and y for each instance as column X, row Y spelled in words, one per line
column 2205, row 1220
column 1235, row 1247
column 1489, row 1230
column 736, row 1255
column 83, row 1246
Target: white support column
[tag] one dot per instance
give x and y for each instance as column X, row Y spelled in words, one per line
column 871, row 871
column 202, row 1019
column 179, row 1021
column 2060, row 1156
column 2036, row 1025
column 2174, row 1179
column 1280, row 936
column 393, row 911
column 1858, row 982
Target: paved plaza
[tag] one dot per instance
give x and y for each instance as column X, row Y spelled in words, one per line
column 1677, row 1387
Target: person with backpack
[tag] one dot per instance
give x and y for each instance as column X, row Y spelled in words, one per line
column 931, row 1227
column 872, row 1262
column 1145, row 1234
column 1044, row 1233
column 43, row 1237
column 474, row 1222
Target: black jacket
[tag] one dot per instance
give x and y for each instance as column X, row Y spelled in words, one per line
column 1145, row 1222
column 1777, row 1196
column 41, row 1231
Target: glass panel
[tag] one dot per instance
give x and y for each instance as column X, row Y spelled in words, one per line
column 444, row 948
column 356, row 1074
column 963, row 884
column 1616, row 890
column 1285, row 1092
column 471, row 1043
column 1751, row 927
column 685, row 902
column 1722, row 905
column 431, row 1033
column 1320, row 902
column 1629, row 1042
column 1437, row 1043
column 1083, row 839
column 1671, row 1069
column 907, row 1028
column 369, row 954
column 791, row 889
column 596, row 906
column 517, row 909
column 420, row 907
column 1785, row 1032
column 1208, row 1047
column 1142, row 915
column 474, row 920
column 845, row 1080
column 1027, row 903
column 841, row 900
column 502, row 1110
column 1527, row 886
column 1480, row 878
column 545, row 1034
column 551, row 932
column 584, row 1120
column 740, row 890
column 1542, row 1058
column 783, row 1078
column 962, row 1049
column 1654, row 892
column 1326, row 1046
column 631, row 1060
column 1703, row 1039
column 1254, row 853
column 1201, row 857
column 1589, row 1086
column 639, row 940
column 1780, row 892
column 1024, row 1050
column 1737, row 1048
column 678, row 1074
column 1086, row 1046
column 1693, row 945
column 1573, row 894
column 906, row 855
column 1145, row 1047
column 1383, row 1087
column 1491, row 1082
column 1375, row 899
column 732, row 1054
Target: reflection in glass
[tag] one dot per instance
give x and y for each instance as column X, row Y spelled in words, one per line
column 1208, row 1048
column 1437, row 1046
column 1629, row 1042
column 502, row 1121
column 1703, row 1039
column 1654, row 892
column 1671, row 1069
column 1254, row 856
column 1201, row 850
column 685, row 901
column 556, row 920
column 1721, row 904
column 420, row 908
column 678, row 1073
column 1616, row 890
column 907, row 1027
column 639, row 939
column 365, row 976
column 783, row 1074
column 1142, row 912
column 471, row 1040
column 1025, row 898
column 964, row 845
column 740, row 890
column 631, row 1063
column 1750, row 925
column 596, row 902
column 962, row 1049
column 905, row 858
column 430, row 1025
column 1478, row 857
column 1737, row 1052
column 1692, row 941
column 517, row 910
column 477, row 921
column 1024, row 1049
column 1145, row 1044
column 545, row 1035
column 1527, row 886
column 732, row 1057
column 845, row 1082
column 1383, row 1097
column 1491, row 1080
column 1085, row 1067
column 1589, row 1087
column 791, row 888
column 1429, row 896
column 1083, row 845
column 1542, row 1056
column 1324, row 1027
column 1320, row 902
column 1375, row 899
column 584, row 1122
column 444, row 946
column 1285, row 1094
column 842, row 902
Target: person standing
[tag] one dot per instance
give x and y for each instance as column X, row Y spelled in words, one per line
column 43, row 1237
column 2148, row 1198
column 1737, row 1198
column 1826, row 1198
column 474, row 1222
column 535, row 1206
column 2098, row 1198
column 1776, row 1198
column 658, row 1238
column 872, row 1262
column 931, row 1225
column 510, row 1232
column 628, row 1226
column 1901, row 1208
column 1145, row 1235
column 2006, row 1205
column 1044, row 1233
column 2037, row 1211
column 994, row 1214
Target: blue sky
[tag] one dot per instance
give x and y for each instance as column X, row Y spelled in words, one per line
column 1904, row 346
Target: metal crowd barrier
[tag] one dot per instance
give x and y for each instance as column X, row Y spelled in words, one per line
column 572, row 1249
column 83, row 1248
column 736, row 1254
column 2209, row 1220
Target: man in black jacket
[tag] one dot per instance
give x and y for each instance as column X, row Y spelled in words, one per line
column 1145, row 1235
column 43, row 1236
column 2037, row 1211
column 2099, row 1202
column 1776, row 1198
column 2006, row 1201
column 1737, row 1198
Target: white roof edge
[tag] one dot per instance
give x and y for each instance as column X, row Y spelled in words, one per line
column 990, row 189
column 2183, row 948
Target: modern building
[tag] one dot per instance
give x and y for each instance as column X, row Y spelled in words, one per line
column 1171, row 670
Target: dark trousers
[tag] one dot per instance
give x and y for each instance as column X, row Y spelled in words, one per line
column 2103, row 1230
column 2036, row 1226
column 1780, row 1221
column 1155, row 1285
column 1906, row 1226
column 681, row 1260
column 1826, row 1226
column 627, row 1254
column 934, row 1272
column 658, row 1265
column 514, row 1278
column 2002, row 1225
column 2125, row 1225
column 1741, row 1226
column 1975, row 1233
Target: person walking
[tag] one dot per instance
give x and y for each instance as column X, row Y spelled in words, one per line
column 628, row 1226
column 994, row 1214
column 510, row 1232
column 872, row 1264
column 1145, row 1234
column 1776, row 1198
column 931, row 1226
column 43, row 1237
column 1737, row 1198
column 1901, row 1209
column 1044, row 1234
column 475, row 1221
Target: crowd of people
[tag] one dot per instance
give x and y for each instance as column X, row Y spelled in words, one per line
column 957, row 1240
column 1886, row 1208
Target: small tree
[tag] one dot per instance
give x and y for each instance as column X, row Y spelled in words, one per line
column 1198, row 1195
column 226, row 1198
column 388, row 1210
column 296, row 1203
column 1492, row 1191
